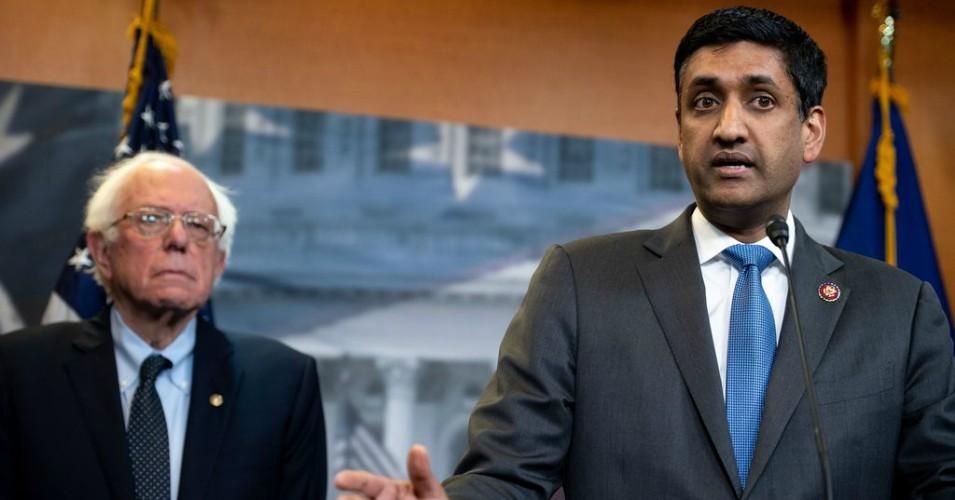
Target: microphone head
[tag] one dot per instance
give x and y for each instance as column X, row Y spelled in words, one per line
column 778, row 231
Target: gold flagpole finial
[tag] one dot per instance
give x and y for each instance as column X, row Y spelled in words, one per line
column 886, row 13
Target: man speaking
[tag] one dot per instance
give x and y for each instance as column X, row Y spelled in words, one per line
column 146, row 401
column 664, row 364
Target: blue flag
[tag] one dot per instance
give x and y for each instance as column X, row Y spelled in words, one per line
column 149, row 125
column 864, row 226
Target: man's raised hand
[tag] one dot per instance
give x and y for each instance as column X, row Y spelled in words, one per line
column 421, row 483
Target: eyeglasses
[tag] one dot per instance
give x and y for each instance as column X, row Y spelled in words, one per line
column 152, row 222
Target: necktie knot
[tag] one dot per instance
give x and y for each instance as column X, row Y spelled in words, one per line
column 152, row 367
column 742, row 256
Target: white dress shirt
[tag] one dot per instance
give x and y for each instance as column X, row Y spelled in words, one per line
column 173, row 385
column 719, row 280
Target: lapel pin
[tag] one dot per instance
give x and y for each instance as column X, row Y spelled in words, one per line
column 829, row 291
column 216, row 400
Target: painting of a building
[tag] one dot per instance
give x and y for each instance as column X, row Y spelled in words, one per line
column 394, row 251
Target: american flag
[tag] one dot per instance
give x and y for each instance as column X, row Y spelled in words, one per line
column 149, row 124
column 76, row 295
column 149, row 108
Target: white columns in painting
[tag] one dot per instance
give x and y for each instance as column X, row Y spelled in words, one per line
column 401, row 387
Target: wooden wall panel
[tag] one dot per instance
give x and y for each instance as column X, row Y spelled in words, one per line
column 593, row 67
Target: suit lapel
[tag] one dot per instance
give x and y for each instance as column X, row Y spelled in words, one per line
column 213, row 374
column 812, row 266
column 675, row 287
column 91, row 368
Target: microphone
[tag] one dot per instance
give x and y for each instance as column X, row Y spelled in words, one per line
column 778, row 232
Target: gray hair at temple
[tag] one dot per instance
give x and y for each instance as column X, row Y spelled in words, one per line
column 101, row 210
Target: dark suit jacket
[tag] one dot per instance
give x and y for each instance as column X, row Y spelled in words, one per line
column 607, row 383
column 61, row 423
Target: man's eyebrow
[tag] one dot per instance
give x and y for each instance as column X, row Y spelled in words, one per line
column 707, row 81
column 754, row 80
column 703, row 81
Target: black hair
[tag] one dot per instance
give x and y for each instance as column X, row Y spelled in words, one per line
column 805, row 62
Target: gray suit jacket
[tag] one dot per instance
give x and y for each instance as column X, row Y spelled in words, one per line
column 607, row 383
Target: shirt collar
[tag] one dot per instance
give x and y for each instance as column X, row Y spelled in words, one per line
column 131, row 350
column 711, row 241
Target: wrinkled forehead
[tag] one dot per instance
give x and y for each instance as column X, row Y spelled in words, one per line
column 172, row 185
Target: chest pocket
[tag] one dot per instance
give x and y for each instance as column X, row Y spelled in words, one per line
column 874, row 382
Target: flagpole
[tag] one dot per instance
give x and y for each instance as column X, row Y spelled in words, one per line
column 135, row 77
column 887, row 13
column 886, row 216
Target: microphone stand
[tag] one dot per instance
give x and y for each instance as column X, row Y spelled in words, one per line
column 778, row 232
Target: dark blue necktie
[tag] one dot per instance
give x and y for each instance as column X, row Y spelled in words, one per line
column 146, row 436
column 752, row 346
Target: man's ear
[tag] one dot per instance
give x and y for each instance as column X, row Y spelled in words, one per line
column 99, row 250
column 813, row 134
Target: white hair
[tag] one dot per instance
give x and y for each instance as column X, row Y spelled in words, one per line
column 102, row 212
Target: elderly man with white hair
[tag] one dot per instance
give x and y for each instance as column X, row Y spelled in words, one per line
column 147, row 401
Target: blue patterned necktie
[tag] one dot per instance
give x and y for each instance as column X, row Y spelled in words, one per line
column 146, row 436
column 752, row 347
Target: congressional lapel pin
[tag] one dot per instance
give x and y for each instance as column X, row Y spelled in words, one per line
column 829, row 291
column 216, row 400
